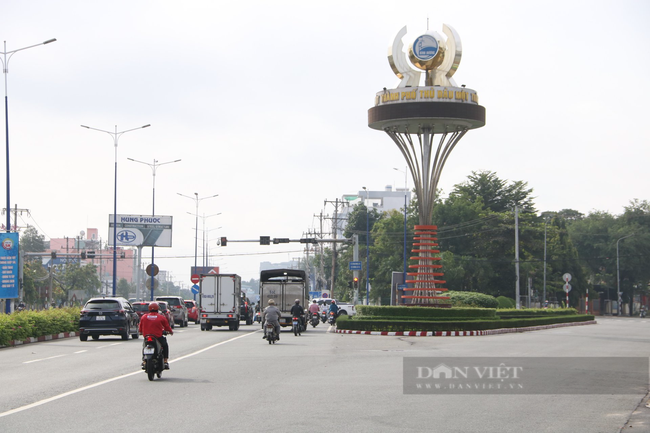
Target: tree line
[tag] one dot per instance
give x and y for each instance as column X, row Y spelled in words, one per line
column 476, row 232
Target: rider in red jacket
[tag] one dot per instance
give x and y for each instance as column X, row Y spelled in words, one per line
column 154, row 324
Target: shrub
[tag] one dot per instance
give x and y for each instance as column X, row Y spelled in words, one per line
column 425, row 313
column 473, row 299
column 505, row 302
column 24, row 324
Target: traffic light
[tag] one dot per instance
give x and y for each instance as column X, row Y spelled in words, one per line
column 265, row 240
column 54, row 254
column 224, row 241
column 90, row 254
column 83, row 255
column 355, row 282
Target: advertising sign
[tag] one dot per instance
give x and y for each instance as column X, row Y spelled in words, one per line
column 9, row 265
column 141, row 230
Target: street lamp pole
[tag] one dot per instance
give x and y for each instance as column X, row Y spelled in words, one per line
column 5, row 70
column 116, row 136
column 204, row 217
column 153, row 167
column 196, row 228
column 405, row 193
column 618, row 276
column 367, row 247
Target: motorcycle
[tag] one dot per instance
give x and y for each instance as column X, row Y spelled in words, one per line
column 314, row 320
column 270, row 333
column 332, row 318
column 152, row 355
column 297, row 326
column 642, row 313
column 323, row 316
column 258, row 317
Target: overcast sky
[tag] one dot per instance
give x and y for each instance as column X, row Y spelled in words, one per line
column 266, row 104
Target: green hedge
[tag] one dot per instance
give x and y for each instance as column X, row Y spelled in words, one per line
column 24, row 324
column 351, row 323
column 505, row 302
column 394, row 312
column 536, row 312
column 473, row 299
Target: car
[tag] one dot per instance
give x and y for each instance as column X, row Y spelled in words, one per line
column 192, row 311
column 142, row 308
column 177, row 307
column 108, row 316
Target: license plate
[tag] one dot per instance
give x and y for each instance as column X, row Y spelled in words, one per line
column 148, row 351
column 100, row 317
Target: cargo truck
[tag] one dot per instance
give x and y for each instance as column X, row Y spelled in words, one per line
column 220, row 298
column 284, row 286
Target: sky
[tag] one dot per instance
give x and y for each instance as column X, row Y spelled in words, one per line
column 266, row 104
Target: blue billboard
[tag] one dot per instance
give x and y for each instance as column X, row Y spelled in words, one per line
column 9, row 265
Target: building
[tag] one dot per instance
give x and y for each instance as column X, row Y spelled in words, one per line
column 383, row 200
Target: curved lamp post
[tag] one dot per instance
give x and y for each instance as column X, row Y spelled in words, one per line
column 116, row 136
column 367, row 246
column 196, row 228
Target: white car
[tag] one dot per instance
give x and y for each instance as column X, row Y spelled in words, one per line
column 344, row 307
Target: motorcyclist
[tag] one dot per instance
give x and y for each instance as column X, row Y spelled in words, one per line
column 154, row 324
column 298, row 311
column 314, row 308
column 272, row 314
column 334, row 308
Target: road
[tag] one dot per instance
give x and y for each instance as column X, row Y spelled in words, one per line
column 224, row 380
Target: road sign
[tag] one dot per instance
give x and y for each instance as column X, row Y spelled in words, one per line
column 566, row 277
column 355, row 266
column 147, row 283
column 152, row 270
column 567, row 287
column 195, row 278
column 195, row 289
column 314, row 295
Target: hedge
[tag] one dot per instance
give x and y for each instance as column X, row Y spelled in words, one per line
column 394, row 312
column 473, row 299
column 536, row 312
column 24, row 324
column 505, row 302
column 350, row 323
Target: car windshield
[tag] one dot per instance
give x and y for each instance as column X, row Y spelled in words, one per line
column 189, row 305
column 173, row 302
column 141, row 307
column 102, row 304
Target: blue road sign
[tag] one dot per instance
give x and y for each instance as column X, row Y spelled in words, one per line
column 195, row 289
column 315, row 294
column 355, row 266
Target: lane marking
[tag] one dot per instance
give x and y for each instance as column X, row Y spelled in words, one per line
column 42, row 359
column 82, row 351
column 113, row 379
column 108, row 345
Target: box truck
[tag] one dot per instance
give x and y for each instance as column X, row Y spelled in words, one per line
column 220, row 298
column 284, row 286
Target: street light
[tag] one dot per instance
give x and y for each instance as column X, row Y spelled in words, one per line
column 116, row 136
column 203, row 230
column 367, row 246
column 153, row 167
column 196, row 228
column 405, row 192
column 618, row 275
column 545, row 222
column 5, row 70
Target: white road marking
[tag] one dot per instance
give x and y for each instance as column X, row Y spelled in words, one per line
column 82, row 351
column 104, row 382
column 42, row 359
column 108, row 345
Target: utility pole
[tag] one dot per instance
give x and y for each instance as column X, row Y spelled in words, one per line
column 518, row 301
column 334, row 236
column 321, row 273
column 15, row 211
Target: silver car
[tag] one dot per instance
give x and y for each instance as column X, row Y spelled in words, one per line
column 177, row 306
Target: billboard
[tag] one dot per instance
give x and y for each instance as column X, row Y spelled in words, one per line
column 9, row 265
column 141, row 230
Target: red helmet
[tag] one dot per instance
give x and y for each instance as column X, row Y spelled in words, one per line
column 153, row 306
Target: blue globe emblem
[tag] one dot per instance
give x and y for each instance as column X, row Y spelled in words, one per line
column 425, row 47
column 126, row 236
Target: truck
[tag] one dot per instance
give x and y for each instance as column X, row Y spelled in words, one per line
column 219, row 301
column 284, row 286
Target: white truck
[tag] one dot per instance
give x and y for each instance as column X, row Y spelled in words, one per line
column 284, row 286
column 219, row 301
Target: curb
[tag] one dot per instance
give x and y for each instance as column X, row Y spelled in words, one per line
column 464, row 333
column 42, row 338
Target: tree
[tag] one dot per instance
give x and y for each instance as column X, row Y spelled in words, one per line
column 124, row 288
column 31, row 241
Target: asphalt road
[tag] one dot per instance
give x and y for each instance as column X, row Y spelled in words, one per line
column 224, row 380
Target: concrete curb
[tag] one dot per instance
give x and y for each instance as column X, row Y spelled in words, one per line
column 14, row 343
column 464, row 333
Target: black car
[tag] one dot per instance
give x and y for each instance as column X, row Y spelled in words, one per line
column 108, row 316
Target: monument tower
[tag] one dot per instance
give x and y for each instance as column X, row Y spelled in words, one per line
column 426, row 122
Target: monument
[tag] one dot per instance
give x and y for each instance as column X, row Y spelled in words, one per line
column 426, row 122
